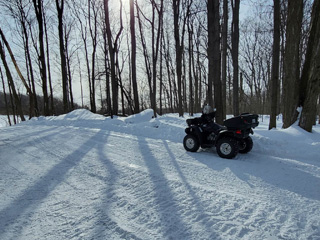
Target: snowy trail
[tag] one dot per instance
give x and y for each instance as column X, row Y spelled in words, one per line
column 64, row 181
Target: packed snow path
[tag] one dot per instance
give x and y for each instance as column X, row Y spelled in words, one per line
column 81, row 176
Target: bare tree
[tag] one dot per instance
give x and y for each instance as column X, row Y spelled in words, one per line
column 134, row 58
column 190, row 23
column 38, row 7
column 179, row 50
column 60, row 8
column 147, row 61
column 5, row 95
column 48, row 63
column 11, row 82
column 151, row 62
column 214, row 58
column 29, row 91
column 171, row 89
column 113, row 47
column 319, row 109
column 311, row 73
column 275, row 64
column 19, row 11
column 224, row 55
column 69, row 56
column 235, row 54
column 256, row 55
column 292, row 63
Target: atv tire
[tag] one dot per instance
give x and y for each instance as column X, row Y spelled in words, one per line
column 227, row 147
column 191, row 143
column 245, row 145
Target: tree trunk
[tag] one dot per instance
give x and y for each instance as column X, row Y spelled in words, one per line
column 179, row 51
column 167, row 63
column 146, row 59
column 11, row 83
column 48, row 66
column 191, row 99
column 275, row 64
column 5, row 96
column 292, row 63
column 107, row 70
column 133, row 59
column 161, row 73
column 29, row 91
column 68, row 59
column 211, row 19
column 319, row 110
column 235, row 55
column 43, row 69
column 113, row 46
column 34, row 111
column 311, row 72
column 197, row 80
column 60, row 8
column 156, row 34
column 214, row 59
column 224, row 56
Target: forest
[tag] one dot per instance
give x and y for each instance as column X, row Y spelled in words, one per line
column 119, row 57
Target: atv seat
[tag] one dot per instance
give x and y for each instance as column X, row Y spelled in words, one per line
column 213, row 127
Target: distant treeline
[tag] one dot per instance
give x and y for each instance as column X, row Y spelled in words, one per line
column 25, row 104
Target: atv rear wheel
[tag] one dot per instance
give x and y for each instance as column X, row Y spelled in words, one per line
column 227, row 147
column 245, row 145
column 191, row 143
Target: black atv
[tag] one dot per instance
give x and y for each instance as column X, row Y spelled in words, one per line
column 229, row 139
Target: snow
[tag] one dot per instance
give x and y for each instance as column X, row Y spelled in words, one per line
column 85, row 176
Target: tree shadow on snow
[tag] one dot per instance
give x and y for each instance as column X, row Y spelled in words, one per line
column 29, row 200
column 195, row 201
column 106, row 225
column 170, row 219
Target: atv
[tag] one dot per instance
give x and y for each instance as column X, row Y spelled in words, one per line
column 229, row 139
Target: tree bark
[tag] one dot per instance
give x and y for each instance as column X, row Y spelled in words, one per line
column 214, row 59
column 190, row 38
column 291, row 74
column 43, row 69
column 60, row 8
column 5, row 97
column 311, row 72
column 134, row 59
column 34, row 111
column 235, row 55
column 224, row 56
column 69, row 70
column 275, row 64
column 179, row 52
column 319, row 110
column 113, row 46
column 48, row 65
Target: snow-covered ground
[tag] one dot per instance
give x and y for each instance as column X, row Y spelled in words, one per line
column 84, row 176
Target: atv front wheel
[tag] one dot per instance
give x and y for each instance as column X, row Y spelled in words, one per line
column 191, row 143
column 227, row 147
column 245, row 145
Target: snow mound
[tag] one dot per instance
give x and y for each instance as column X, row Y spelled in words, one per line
column 144, row 116
column 80, row 114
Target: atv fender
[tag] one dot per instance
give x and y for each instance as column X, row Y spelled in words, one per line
column 224, row 133
column 196, row 131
